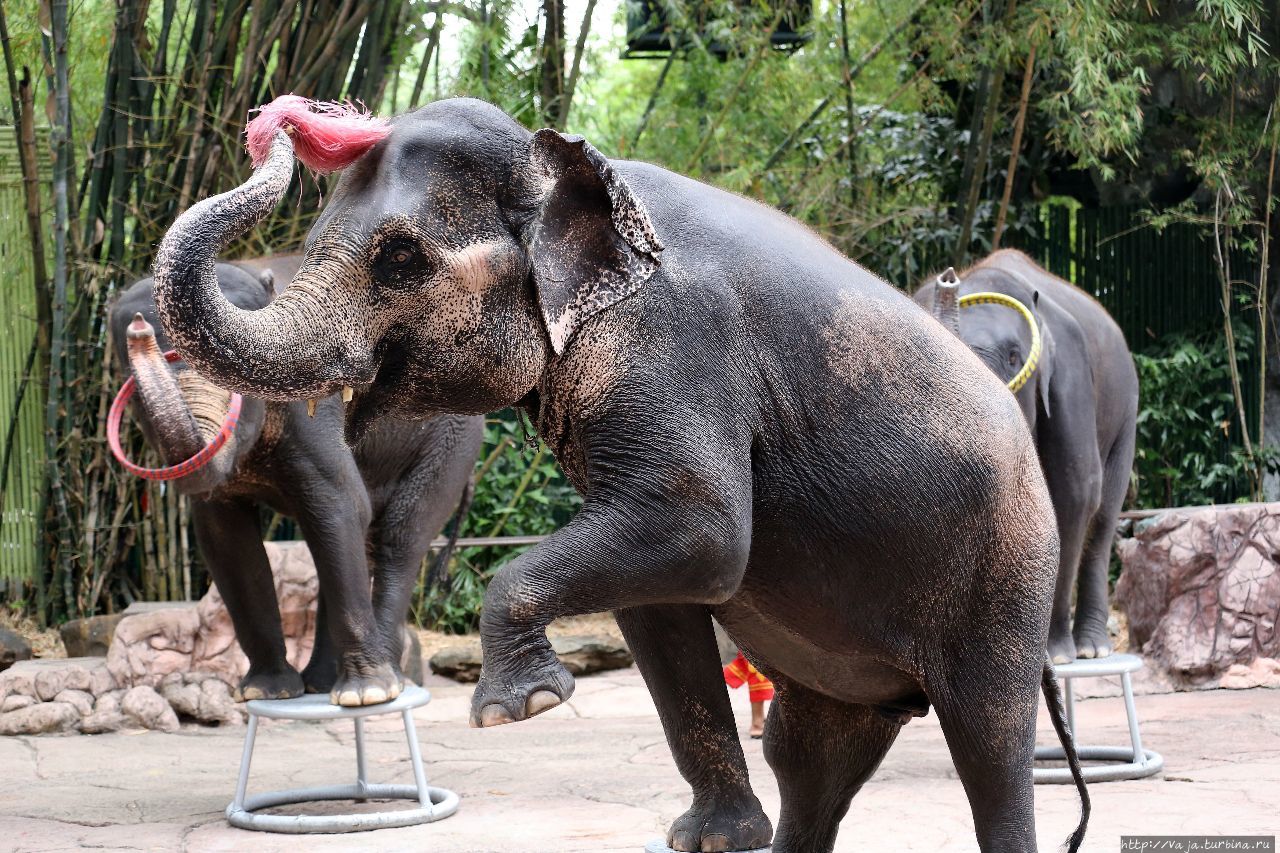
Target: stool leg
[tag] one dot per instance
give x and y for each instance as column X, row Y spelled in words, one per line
column 415, row 758
column 1139, row 755
column 246, row 758
column 362, row 764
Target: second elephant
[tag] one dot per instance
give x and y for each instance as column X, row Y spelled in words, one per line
column 1082, row 405
column 371, row 509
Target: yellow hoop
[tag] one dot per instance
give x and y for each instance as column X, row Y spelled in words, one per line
column 1033, row 358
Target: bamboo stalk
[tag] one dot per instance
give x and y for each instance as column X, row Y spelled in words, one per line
column 432, row 42
column 578, row 49
column 1015, row 147
column 653, row 99
column 715, row 123
column 1264, row 270
column 520, row 490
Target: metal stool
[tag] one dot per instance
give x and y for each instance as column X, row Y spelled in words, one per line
column 433, row 803
column 659, row 846
column 1135, row 761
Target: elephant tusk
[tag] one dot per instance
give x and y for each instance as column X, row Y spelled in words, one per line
column 311, row 407
column 347, row 393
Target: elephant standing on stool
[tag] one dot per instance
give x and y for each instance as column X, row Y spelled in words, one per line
column 375, row 506
column 1082, row 406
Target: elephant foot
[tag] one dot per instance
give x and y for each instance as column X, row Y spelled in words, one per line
column 503, row 696
column 1062, row 648
column 1092, row 639
column 279, row 682
column 718, row 828
column 319, row 676
column 366, row 685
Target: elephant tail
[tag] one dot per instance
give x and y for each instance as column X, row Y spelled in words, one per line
column 1053, row 699
column 439, row 571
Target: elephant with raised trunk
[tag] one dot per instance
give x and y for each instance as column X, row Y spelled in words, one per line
column 371, row 509
column 761, row 430
column 1082, row 406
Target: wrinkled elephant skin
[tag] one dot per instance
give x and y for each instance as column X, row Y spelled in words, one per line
column 762, row 431
column 371, row 510
column 1082, row 406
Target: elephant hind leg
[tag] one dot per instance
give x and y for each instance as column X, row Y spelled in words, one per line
column 822, row 751
column 1093, row 599
column 987, row 707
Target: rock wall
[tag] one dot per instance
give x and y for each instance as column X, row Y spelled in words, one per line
column 1201, row 590
column 166, row 662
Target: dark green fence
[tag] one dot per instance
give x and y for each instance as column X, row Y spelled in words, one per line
column 1159, row 284
column 1155, row 283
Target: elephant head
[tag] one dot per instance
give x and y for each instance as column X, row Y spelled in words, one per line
column 451, row 262
column 998, row 334
column 180, row 410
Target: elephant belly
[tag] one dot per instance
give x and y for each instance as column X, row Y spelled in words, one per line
column 851, row 671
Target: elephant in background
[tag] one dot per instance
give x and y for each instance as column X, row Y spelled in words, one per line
column 762, row 431
column 1082, row 407
column 371, row 509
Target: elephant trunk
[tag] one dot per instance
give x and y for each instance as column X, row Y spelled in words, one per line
column 279, row 352
column 183, row 410
column 946, row 304
column 172, row 424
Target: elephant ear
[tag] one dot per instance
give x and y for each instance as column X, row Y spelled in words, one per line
column 592, row 243
column 1047, row 347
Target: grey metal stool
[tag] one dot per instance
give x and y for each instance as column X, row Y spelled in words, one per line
column 1135, row 762
column 433, row 803
column 659, row 846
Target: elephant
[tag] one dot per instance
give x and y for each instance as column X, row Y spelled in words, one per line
column 762, row 432
column 1082, row 407
column 376, row 505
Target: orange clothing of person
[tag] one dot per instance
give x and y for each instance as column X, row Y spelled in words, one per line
column 740, row 672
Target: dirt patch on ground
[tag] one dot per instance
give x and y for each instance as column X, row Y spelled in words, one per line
column 595, row 623
column 45, row 643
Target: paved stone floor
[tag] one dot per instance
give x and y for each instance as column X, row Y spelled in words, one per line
column 596, row 776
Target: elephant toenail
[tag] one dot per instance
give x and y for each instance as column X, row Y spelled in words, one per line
column 494, row 715
column 715, row 843
column 373, row 696
column 683, row 842
column 394, row 691
column 539, row 701
column 347, row 699
column 253, row 693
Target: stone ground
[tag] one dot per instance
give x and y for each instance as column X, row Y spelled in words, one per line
column 596, row 776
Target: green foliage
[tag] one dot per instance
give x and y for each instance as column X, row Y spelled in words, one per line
column 520, row 491
column 1187, row 452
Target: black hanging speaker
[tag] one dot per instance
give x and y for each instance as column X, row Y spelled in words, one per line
column 655, row 28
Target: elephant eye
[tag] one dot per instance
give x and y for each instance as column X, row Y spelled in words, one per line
column 399, row 261
column 1014, row 358
column 398, row 254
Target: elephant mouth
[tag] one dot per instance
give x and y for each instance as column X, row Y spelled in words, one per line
column 375, row 398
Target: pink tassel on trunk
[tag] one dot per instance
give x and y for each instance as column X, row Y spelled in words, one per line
column 327, row 136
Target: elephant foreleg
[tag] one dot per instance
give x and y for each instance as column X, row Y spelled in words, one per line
column 1074, row 486
column 334, row 521
column 676, row 652
column 230, row 540
column 1093, row 599
column 322, row 669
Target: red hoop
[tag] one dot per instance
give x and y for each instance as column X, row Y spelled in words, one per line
column 187, row 466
